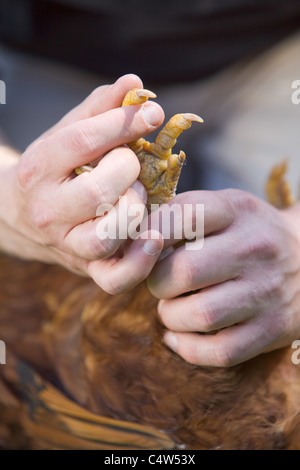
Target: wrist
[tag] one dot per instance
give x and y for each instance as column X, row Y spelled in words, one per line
column 13, row 240
column 8, row 154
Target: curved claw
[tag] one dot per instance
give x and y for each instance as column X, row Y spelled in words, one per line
column 192, row 117
column 167, row 137
column 278, row 190
column 137, row 96
column 147, row 93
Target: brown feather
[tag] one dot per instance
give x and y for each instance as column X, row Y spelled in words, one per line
column 104, row 354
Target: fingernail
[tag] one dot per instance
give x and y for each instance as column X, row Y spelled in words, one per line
column 171, row 340
column 151, row 113
column 165, row 253
column 140, row 189
column 151, row 247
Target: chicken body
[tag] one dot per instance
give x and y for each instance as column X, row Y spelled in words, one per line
column 105, row 354
column 85, row 369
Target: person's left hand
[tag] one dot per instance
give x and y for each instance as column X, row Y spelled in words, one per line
column 243, row 285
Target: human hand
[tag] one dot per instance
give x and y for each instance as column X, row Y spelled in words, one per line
column 244, row 283
column 49, row 214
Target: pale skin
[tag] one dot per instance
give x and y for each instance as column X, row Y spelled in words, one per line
column 49, row 214
column 245, row 281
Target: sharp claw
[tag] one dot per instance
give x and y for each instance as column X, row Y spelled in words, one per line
column 145, row 93
column 137, row 96
column 192, row 117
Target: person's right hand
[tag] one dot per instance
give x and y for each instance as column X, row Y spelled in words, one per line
column 49, row 214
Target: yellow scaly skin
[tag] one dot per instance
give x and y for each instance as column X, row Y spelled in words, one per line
column 160, row 169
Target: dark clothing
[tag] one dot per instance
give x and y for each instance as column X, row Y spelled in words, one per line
column 160, row 40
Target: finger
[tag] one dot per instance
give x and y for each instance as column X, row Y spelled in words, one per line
column 186, row 271
column 192, row 214
column 226, row 348
column 84, row 141
column 101, row 100
column 102, row 236
column 210, row 309
column 116, row 275
column 80, row 197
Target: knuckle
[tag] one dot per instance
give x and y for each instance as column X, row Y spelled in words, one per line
column 129, row 161
column 268, row 248
column 96, row 94
column 102, row 248
column 119, row 283
column 242, row 201
column 221, row 355
column 81, row 141
column 41, row 217
column 276, row 286
column 112, row 287
column 95, row 100
column 260, row 246
column 190, row 353
column 271, row 291
column 225, row 355
column 97, row 248
column 208, row 318
column 125, row 162
column 187, row 273
column 259, row 294
column 278, row 327
column 93, row 192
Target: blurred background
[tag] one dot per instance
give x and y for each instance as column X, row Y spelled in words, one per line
column 230, row 61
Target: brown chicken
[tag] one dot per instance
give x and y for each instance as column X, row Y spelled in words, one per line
column 87, row 370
